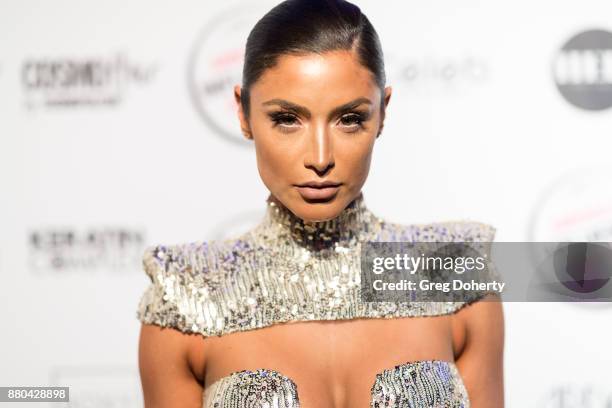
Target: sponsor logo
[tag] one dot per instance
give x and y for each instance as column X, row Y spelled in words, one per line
column 93, row 81
column 577, row 207
column 215, row 66
column 582, row 70
column 67, row 250
column 437, row 72
column 568, row 396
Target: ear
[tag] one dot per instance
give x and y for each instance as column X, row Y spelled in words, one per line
column 387, row 98
column 244, row 123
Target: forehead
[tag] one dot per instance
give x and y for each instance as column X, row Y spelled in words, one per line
column 316, row 80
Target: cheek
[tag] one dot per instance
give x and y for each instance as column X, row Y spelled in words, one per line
column 270, row 160
column 356, row 158
column 273, row 162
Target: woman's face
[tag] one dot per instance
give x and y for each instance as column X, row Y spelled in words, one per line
column 314, row 119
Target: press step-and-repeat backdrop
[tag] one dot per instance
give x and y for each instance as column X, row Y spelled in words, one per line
column 118, row 130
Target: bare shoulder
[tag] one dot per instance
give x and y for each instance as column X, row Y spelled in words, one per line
column 171, row 365
column 485, row 314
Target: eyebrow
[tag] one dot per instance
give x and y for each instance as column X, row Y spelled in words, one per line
column 305, row 112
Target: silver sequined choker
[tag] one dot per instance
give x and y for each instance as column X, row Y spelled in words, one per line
column 318, row 235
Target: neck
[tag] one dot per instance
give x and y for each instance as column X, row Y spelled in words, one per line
column 349, row 225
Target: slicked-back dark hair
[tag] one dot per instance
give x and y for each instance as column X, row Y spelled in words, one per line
column 298, row 27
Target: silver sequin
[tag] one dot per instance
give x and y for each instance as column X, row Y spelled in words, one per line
column 286, row 269
column 418, row 384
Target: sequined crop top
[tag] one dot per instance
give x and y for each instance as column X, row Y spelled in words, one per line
column 285, row 270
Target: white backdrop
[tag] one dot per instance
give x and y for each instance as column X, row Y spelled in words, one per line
column 118, row 130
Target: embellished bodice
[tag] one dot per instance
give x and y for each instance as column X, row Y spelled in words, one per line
column 418, row 384
column 286, row 269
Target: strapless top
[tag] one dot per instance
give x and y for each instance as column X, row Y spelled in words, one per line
column 426, row 383
column 288, row 270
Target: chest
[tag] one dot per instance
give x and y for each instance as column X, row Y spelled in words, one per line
column 355, row 363
column 426, row 383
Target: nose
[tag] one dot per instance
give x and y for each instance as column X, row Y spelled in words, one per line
column 319, row 156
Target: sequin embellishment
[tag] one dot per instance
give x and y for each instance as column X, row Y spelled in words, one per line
column 284, row 270
column 258, row 389
column 428, row 383
column 419, row 384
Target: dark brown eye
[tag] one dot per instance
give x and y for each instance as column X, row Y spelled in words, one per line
column 352, row 119
column 283, row 119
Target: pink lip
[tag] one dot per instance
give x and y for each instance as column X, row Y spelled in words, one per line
column 317, row 190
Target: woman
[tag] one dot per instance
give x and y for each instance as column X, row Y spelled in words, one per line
column 273, row 318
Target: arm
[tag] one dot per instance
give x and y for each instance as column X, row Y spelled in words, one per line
column 165, row 357
column 481, row 360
